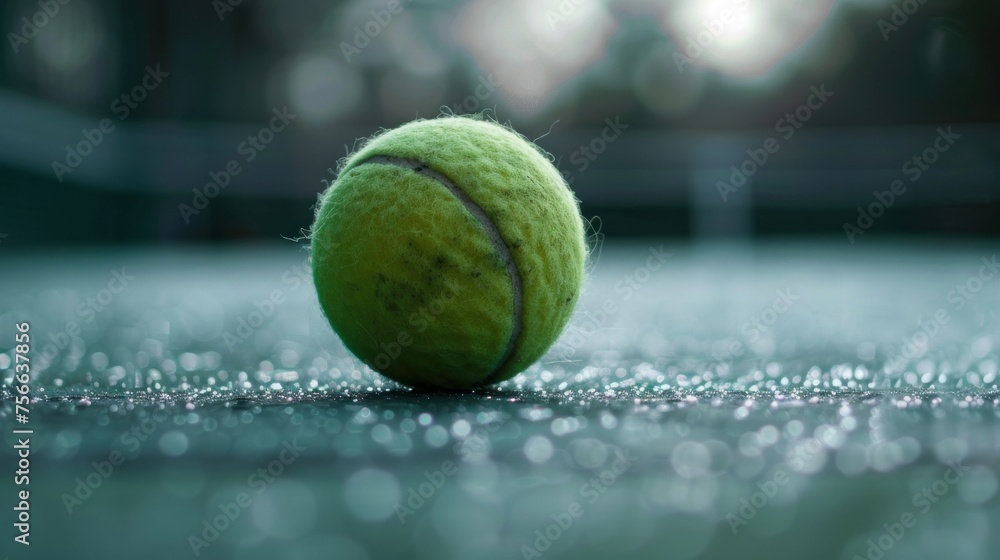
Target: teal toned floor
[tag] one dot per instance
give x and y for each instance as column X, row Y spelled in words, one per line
column 777, row 401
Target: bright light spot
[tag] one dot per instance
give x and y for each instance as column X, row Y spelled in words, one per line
column 745, row 38
column 538, row 449
column 725, row 22
column 533, row 48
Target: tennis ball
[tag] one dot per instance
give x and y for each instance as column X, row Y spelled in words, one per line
column 448, row 253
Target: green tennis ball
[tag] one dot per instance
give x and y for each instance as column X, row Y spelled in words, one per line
column 448, row 253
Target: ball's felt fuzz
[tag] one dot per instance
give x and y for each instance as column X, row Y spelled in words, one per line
column 449, row 253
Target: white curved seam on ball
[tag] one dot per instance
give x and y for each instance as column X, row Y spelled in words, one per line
column 492, row 232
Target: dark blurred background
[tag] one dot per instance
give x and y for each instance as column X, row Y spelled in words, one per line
column 116, row 115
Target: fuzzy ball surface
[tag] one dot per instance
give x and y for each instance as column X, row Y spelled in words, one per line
column 449, row 253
